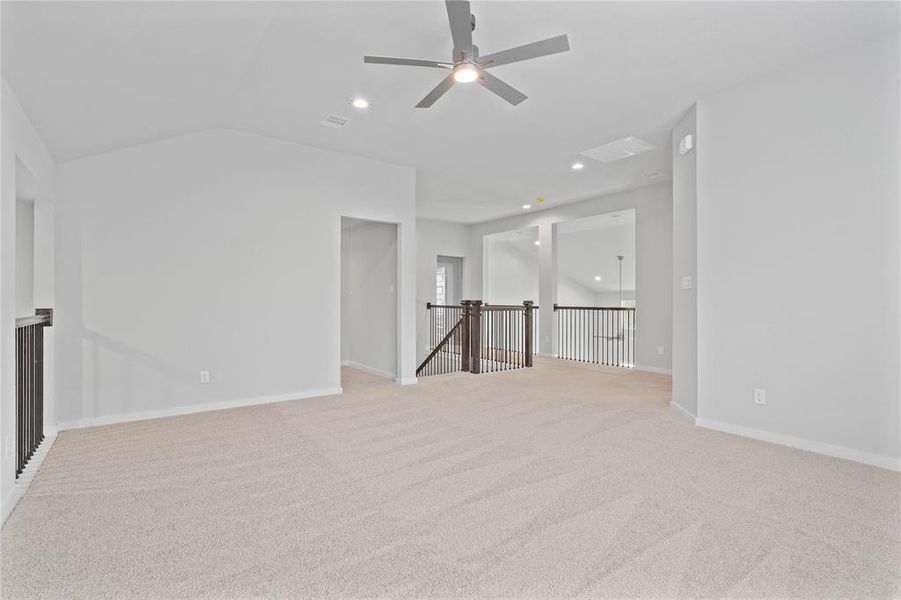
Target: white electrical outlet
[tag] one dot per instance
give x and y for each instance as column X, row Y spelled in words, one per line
column 760, row 396
column 204, row 377
column 660, row 350
column 687, row 283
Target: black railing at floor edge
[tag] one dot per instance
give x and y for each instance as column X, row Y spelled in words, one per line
column 597, row 334
column 30, row 384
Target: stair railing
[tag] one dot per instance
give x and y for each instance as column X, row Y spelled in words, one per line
column 485, row 338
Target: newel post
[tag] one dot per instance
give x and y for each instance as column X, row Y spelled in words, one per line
column 464, row 337
column 527, row 337
column 475, row 336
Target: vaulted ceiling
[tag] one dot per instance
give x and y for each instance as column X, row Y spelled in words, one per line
column 98, row 76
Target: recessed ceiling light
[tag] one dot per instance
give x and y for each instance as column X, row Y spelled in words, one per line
column 360, row 103
column 577, row 166
column 597, row 277
column 537, row 243
column 526, row 206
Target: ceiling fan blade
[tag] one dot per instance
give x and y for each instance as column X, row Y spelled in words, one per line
column 460, row 17
column 504, row 90
column 446, row 84
column 409, row 62
column 534, row 50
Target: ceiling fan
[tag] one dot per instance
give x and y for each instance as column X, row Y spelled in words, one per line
column 467, row 66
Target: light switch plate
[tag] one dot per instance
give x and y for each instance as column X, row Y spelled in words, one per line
column 687, row 283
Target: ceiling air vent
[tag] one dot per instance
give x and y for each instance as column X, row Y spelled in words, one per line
column 624, row 148
column 334, row 121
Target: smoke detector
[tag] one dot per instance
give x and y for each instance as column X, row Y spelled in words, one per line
column 624, row 148
column 335, row 121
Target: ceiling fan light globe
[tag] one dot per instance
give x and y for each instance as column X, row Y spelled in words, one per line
column 465, row 73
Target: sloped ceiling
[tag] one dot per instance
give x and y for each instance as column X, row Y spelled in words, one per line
column 96, row 76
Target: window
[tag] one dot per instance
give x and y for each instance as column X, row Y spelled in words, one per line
column 441, row 286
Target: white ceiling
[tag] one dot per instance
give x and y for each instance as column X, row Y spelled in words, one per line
column 103, row 75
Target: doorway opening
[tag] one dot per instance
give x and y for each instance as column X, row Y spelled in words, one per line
column 511, row 266
column 449, row 280
column 369, row 302
column 596, row 300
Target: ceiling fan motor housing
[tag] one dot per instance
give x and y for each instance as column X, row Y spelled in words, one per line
column 466, row 65
column 461, row 56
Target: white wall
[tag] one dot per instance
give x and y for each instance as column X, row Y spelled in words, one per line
column 612, row 298
column 512, row 273
column 653, row 205
column 685, row 264
column 21, row 142
column 24, row 258
column 584, row 253
column 571, row 293
column 369, row 297
column 218, row 250
column 798, row 282
column 434, row 239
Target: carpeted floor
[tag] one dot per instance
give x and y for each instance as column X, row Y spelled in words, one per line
column 565, row 480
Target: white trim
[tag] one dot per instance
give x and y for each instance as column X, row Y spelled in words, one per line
column 867, row 458
column 407, row 380
column 196, row 408
column 367, row 369
column 683, row 412
column 658, row 370
column 27, row 475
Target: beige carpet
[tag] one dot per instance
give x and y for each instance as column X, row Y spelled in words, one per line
column 565, row 480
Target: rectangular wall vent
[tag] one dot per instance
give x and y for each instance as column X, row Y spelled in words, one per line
column 334, row 121
column 624, row 148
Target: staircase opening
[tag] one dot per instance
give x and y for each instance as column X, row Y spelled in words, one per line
column 479, row 337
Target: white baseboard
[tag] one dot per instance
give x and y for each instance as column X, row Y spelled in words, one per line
column 691, row 418
column 27, row 475
column 658, row 370
column 196, row 408
column 367, row 369
column 407, row 380
column 867, row 458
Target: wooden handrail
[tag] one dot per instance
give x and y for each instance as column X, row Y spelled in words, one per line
column 503, row 306
column 40, row 319
column 558, row 307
